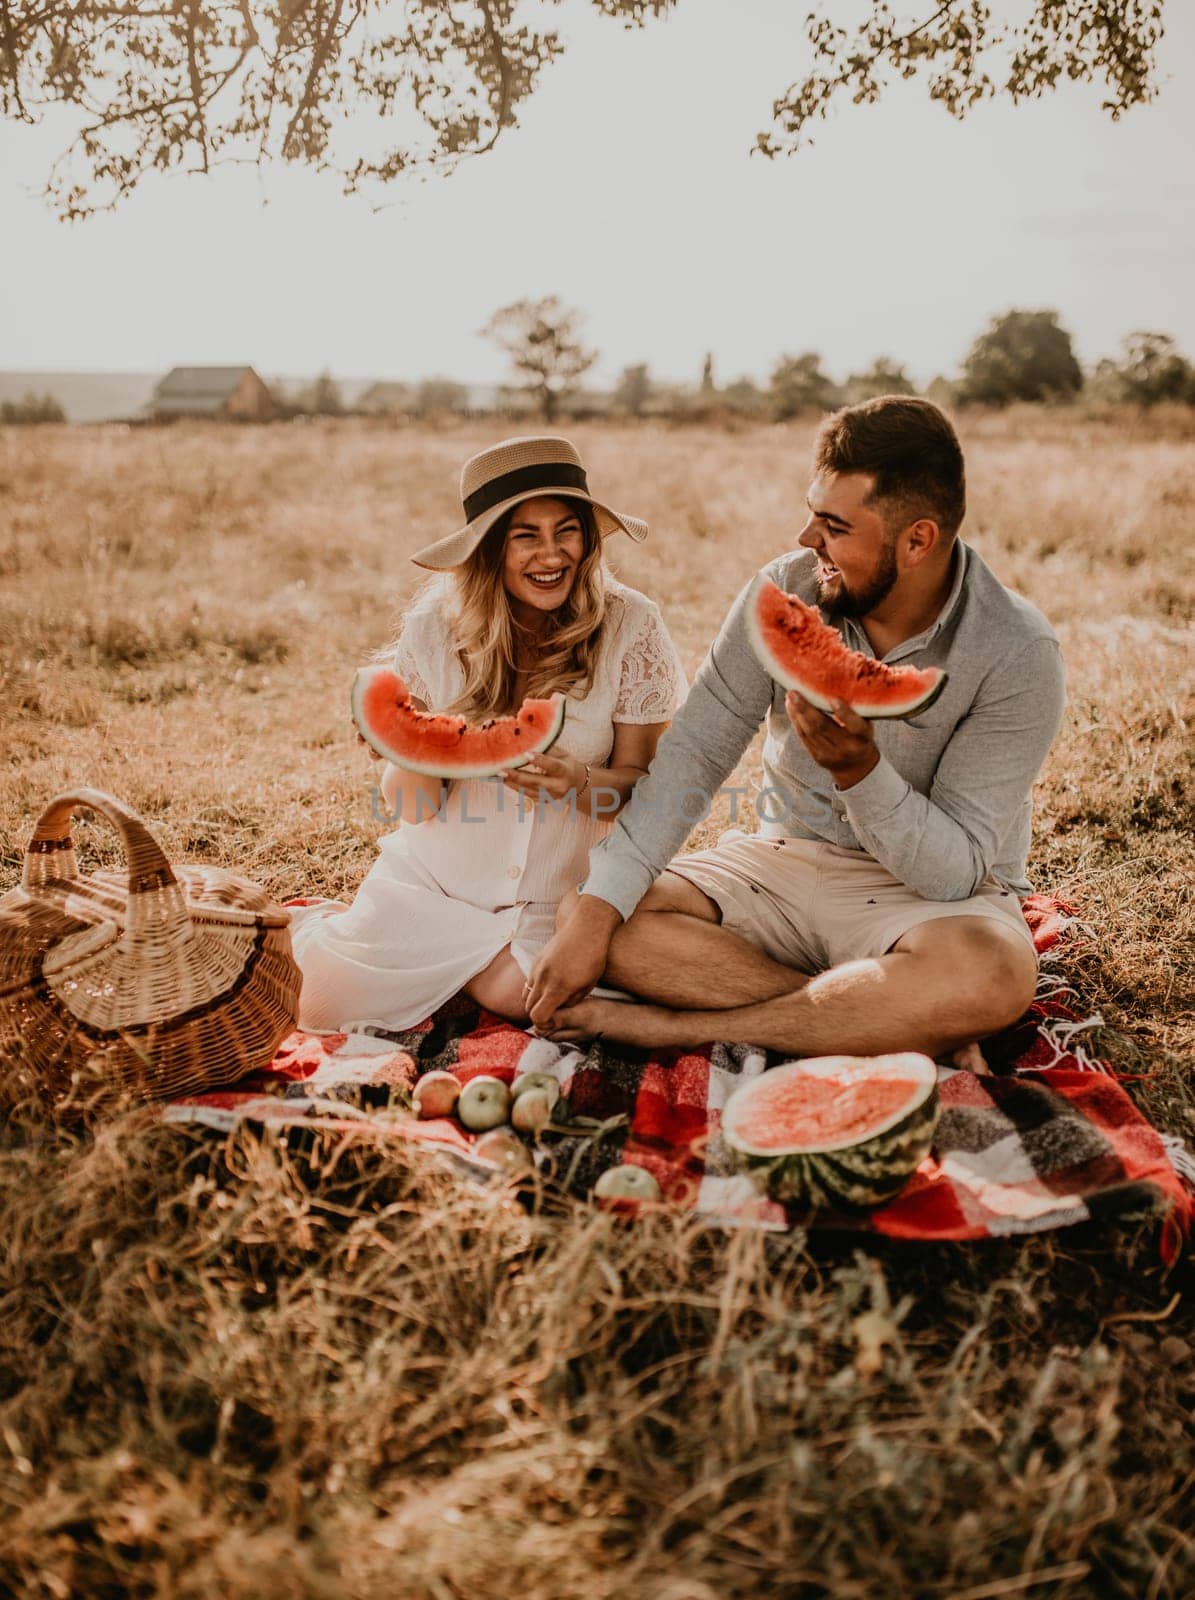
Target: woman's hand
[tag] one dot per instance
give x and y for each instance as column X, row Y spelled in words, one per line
column 546, row 777
column 390, row 785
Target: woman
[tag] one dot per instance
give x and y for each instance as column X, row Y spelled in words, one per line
column 464, row 891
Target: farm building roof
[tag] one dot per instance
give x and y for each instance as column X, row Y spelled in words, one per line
column 198, row 388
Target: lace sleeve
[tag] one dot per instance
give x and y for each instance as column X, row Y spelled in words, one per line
column 406, row 662
column 652, row 684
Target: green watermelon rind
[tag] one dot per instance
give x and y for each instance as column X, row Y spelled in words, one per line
column 442, row 766
column 788, row 678
column 848, row 1177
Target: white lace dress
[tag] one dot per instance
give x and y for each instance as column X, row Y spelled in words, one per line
column 446, row 895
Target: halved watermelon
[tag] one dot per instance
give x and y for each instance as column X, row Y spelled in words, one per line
column 802, row 652
column 447, row 747
column 845, row 1132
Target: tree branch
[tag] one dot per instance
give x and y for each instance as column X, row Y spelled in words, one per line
column 319, row 56
column 464, row 67
column 196, row 82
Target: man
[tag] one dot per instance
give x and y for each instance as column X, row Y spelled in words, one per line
column 878, row 908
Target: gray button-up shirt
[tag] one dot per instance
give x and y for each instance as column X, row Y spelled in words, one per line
column 947, row 806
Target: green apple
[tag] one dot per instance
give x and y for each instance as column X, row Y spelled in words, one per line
column 626, row 1183
column 532, row 1082
column 484, row 1103
column 532, row 1111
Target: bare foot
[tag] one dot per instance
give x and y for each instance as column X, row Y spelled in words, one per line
column 969, row 1058
column 612, row 1019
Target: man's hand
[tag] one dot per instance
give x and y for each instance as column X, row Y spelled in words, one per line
column 844, row 743
column 572, row 961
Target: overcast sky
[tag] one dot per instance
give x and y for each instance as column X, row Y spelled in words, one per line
column 628, row 190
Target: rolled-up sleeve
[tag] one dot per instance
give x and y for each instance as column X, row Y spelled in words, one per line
column 724, row 709
column 943, row 844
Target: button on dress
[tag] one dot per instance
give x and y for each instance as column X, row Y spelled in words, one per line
column 446, row 894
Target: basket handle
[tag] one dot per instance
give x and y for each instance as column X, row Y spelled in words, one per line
column 157, row 906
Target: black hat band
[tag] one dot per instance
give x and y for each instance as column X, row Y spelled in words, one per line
column 547, row 475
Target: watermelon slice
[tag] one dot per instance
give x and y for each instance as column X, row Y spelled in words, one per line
column 844, row 1132
column 802, row 652
column 447, row 747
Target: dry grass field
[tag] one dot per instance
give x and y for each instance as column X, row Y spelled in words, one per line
column 227, row 1372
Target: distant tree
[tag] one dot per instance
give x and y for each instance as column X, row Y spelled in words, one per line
column 33, row 408
column 186, row 86
column 510, row 400
column 1023, row 355
column 387, row 398
column 679, row 402
column 882, row 377
column 1151, row 369
column 745, row 397
column 322, row 399
column 707, row 374
column 799, row 384
column 942, row 392
column 542, row 339
column 439, row 396
column 633, row 391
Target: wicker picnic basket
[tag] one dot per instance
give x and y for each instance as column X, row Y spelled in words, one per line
column 157, row 980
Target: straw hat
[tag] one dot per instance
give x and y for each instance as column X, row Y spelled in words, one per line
column 496, row 479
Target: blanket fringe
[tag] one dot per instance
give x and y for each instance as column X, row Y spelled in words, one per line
column 1067, row 922
column 1053, row 986
column 1060, row 1032
column 1181, row 1159
column 1061, row 1037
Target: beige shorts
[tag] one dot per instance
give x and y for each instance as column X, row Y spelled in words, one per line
column 812, row 906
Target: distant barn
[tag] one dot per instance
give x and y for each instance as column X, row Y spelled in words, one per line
column 235, row 393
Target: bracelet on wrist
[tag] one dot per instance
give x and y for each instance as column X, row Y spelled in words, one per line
column 585, row 785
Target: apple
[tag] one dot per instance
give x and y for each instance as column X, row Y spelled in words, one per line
column 626, row 1183
column 532, row 1082
column 484, row 1103
column 504, row 1149
column 532, row 1111
column 436, row 1094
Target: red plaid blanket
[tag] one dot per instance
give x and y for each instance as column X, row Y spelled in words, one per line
column 1051, row 1138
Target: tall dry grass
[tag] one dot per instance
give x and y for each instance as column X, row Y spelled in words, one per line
column 247, row 1369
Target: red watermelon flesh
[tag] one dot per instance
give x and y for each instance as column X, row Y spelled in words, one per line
column 822, row 1110
column 802, row 652
column 448, row 747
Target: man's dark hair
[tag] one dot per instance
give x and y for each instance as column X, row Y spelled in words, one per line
column 909, row 448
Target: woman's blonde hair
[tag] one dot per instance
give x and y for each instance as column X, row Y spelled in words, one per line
column 485, row 632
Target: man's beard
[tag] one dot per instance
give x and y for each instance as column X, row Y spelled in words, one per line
column 859, row 602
